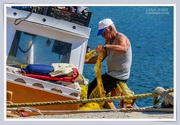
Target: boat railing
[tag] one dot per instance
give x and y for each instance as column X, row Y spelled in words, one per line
column 63, row 14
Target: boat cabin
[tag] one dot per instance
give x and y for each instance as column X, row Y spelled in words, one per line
column 35, row 38
column 44, row 35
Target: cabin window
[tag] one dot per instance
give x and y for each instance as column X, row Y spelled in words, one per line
column 28, row 48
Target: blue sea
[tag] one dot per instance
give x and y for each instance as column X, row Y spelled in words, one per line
column 150, row 30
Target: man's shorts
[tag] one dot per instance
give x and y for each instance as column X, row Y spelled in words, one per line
column 109, row 83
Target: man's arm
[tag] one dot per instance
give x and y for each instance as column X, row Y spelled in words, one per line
column 122, row 44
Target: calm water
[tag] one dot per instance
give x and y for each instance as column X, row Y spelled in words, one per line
column 150, row 30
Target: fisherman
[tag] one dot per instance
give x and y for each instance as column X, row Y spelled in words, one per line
column 117, row 49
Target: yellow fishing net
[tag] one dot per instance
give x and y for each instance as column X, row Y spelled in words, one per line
column 123, row 88
column 98, row 91
column 91, row 106
column 90, row 54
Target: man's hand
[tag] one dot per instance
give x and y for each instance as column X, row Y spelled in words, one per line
column 86, row 60
column 99, row 49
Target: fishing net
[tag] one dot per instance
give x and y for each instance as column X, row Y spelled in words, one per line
column 98, row 91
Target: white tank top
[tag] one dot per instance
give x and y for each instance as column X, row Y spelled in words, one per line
column 119, row 64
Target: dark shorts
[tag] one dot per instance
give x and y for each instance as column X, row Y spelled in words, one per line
column 108, row 82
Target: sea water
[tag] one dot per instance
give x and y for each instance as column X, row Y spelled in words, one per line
column 150, row 30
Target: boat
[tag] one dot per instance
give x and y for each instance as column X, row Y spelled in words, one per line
column 63, row 38
column 39, row 38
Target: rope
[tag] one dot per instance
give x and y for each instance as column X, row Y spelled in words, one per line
column 25, row 51
column 41, row 112
column 146, row 109
column 83, row 101
column 159, row 91
column 19, row 20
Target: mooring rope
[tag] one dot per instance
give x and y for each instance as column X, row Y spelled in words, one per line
column 83, row 101
column 43, row 112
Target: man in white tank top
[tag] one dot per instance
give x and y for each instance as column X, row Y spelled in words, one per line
column 117, row 49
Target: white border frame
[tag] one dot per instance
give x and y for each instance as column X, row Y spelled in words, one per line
column 5, row 119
